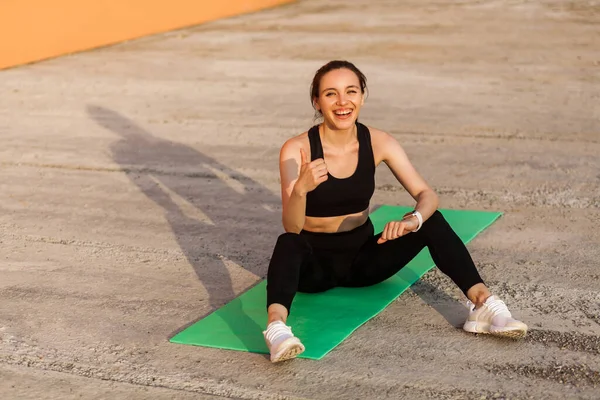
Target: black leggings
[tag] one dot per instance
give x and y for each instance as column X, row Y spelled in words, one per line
column 315, row 262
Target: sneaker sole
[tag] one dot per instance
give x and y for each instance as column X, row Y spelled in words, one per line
column 289, row 351
column 512, row 334
column 473, row 327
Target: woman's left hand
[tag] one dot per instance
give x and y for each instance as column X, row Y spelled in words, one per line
column 395, row 229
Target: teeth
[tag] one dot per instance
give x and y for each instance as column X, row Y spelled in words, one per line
column 343, row 112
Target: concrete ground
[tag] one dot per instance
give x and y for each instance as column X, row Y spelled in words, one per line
column 139, row 192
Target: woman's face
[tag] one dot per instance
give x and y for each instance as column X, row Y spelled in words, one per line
column 340, row 98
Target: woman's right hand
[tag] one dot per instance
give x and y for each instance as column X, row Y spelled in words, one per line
column 312, row 174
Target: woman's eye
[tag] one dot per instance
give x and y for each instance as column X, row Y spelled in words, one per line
column 329, row 94
column 352, row 91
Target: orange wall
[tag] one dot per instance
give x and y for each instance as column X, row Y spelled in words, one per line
column 33, row 30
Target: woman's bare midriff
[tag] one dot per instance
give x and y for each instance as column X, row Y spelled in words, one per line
column 341, row 223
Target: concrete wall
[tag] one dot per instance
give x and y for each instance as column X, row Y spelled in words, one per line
column 33, row 30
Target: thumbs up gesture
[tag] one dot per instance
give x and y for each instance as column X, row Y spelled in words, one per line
column 312, row 174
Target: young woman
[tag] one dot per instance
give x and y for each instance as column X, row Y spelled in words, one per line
column 327, row 180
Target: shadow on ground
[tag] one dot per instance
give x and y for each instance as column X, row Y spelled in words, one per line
column 174, row 176
column 447, row 306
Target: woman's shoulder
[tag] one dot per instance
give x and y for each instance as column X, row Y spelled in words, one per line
column 379, row 137
column 295, row 143
column 297, row 140
column 384, row 145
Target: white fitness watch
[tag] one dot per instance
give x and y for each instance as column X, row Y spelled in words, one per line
column 419, row 218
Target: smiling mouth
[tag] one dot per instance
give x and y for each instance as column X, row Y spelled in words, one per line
column 342, row 113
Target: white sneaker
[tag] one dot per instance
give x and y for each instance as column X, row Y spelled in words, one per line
column 494, row 318
column 281, row 342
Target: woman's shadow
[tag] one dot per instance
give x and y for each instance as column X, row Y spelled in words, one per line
column 202, row 201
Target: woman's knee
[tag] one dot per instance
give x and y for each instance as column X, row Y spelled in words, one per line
column 291, row 242
column 435, row 223
column 288, row 237
column 288, row 255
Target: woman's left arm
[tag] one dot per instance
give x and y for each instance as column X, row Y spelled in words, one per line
column 388, row 150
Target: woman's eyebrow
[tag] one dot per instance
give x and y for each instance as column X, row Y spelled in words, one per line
column 347, row 87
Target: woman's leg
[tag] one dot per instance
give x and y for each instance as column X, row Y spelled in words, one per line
column 283, row 275
column 293, row 267
column 378, row 262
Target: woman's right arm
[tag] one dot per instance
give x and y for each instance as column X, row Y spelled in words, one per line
column 298, row 177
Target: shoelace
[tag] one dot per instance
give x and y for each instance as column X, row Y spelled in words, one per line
column 497, row 307
column 470, row 305
column 275, row 330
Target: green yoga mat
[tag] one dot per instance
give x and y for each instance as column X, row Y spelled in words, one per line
column 239, row 324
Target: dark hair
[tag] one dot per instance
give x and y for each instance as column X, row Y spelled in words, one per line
column 330, row 66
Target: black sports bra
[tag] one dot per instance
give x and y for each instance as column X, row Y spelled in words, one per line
column 350, row 195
